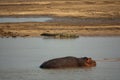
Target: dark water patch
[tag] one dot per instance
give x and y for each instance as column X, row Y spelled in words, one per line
column 87, row 21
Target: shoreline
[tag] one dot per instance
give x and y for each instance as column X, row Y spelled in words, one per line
column 35, row 29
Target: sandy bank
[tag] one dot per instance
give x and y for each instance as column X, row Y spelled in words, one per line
column 61, row 8
column 36, row 29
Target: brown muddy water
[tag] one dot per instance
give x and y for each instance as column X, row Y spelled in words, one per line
column 20, row 58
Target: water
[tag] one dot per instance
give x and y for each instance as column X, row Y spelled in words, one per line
column 66, row 20
column 24, row 19
column 87, row 21
column 20, row 58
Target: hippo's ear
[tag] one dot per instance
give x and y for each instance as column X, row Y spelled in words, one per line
column 41, row 66
column 85, row 58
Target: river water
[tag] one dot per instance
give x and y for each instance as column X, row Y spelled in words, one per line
column 20, row 58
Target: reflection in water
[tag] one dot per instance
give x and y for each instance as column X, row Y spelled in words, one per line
column 20, row 58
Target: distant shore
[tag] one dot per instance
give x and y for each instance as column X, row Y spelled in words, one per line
column 61, row 8
column 71, row 11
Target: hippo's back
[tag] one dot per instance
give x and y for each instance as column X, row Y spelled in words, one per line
column 65, row 62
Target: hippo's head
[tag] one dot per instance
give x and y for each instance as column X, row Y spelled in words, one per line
column 86, row 62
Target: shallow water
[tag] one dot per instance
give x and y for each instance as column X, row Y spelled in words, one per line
column 23, row 19
column 20, row 58
column 66, row 20
column 87, row 21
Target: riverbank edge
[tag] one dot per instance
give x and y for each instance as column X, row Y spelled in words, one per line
column 35, row 29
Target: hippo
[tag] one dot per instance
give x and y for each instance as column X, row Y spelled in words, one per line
column 68, row 62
